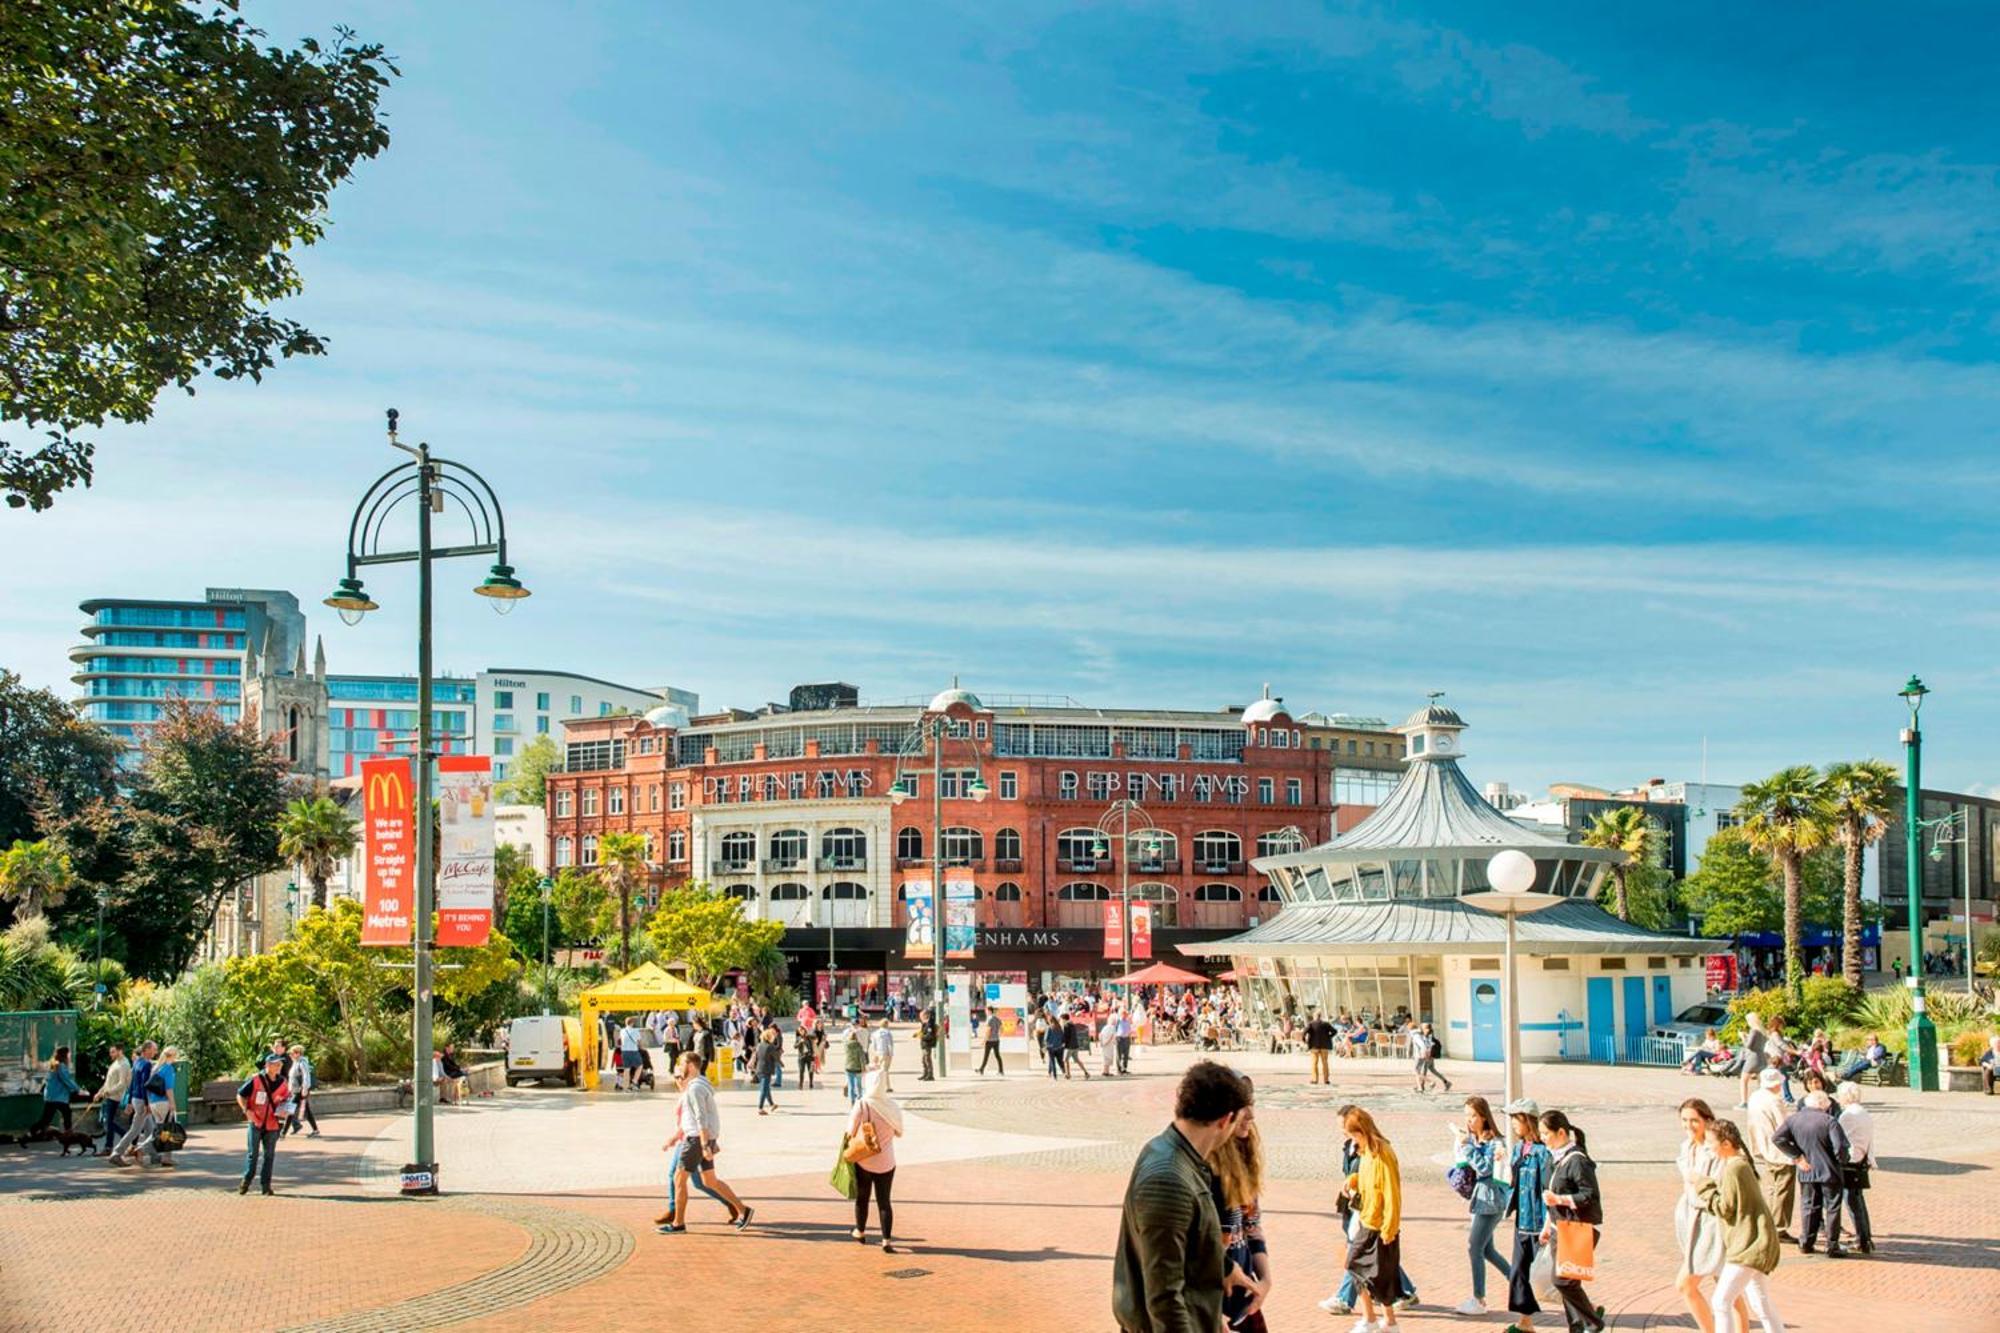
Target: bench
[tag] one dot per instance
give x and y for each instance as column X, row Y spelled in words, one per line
column 1889, row 1074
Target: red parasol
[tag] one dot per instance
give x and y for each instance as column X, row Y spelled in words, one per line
column 1159, row 974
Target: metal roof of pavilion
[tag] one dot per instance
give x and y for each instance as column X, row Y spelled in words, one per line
column 1435, row 812
column 1442, row 926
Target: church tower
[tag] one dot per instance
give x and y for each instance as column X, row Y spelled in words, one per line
column 290, row 704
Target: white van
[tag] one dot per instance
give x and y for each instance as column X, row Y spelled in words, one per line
column 544, row 1046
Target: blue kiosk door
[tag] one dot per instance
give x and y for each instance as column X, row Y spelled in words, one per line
column 1663, row 999
column 1635, row 1016
column 1486, row 1043
column 1601, row 1019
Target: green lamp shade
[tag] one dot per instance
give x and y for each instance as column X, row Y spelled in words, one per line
column 349, row 597
column 501, row 583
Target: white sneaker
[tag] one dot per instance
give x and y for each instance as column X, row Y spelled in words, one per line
column 1471, row 1305
column 1334, row 1305
column 1363, row 1326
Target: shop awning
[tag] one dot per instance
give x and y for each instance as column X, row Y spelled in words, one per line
column 1159, row 974
column 1442, row 926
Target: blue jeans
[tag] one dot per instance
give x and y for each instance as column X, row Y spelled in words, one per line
column 1479, row 1246
column 1055, row 1064
column 695, row 1178
column 764, row 1097
column 854, row 1085
column 252, row 1139
column 1347, row 1286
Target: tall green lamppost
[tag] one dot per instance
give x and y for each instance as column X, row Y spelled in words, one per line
column 429, row 482
column 548, row 890
column 1922, row 1058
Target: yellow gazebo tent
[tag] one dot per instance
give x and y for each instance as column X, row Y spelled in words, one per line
column 646, row 987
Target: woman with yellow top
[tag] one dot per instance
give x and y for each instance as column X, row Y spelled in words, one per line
column 1374, row 1255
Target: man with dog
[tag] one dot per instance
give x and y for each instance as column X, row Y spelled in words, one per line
column 266, row 1101
column 110, row 1095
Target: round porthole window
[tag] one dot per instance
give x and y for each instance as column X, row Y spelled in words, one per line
column 1485, row 991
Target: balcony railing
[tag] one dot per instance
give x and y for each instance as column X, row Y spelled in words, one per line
column 1084, row 865
column 718, row 869
column 1168, row 866
column 784, row 862
column 1007, row 864
column 843, row 863
column 1220, row 867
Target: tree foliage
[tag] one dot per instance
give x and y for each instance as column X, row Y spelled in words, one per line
column 204, row 814
column 315, row 834
column 527, row 778
column 624, row 858
column 34, row 875
column 1630, row 830
column 1859, row 793
column 1787, row 816
column 706, row 930
column 160, row 168
column 52, row 762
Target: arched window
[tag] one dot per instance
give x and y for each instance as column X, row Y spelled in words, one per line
column 1165, row 899
column 677, row 846
column 1007, row 845
column 1217, row 850
column 739, row 850
column 1269, row 894
column 1083, row 893
column 962, row 846
column 844, row 849
column 590, row 849
column 791, row 904
column 846, row 904
column 744, row 891
column 785, row 893
column 563, row 850
column 1155, row 850
column 1007, row 893
column 845, row 892
column 1279, row 842
column 1218, row 893
column 292, row 740
column 788, row 849
column 1080, row 906
column 909, row 844
column 1078, row 847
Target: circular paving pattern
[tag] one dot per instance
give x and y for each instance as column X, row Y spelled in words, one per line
column 565, row 1250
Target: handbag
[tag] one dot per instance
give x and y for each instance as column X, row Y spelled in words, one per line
column 1576, row 1251
column 860, row 1147
column 842, row 1178
column 1854, row 1175
column 171, row 1136
column 1542, row 1273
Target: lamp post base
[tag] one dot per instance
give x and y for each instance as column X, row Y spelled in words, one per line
column 420, row 1179
column 1923, row 1053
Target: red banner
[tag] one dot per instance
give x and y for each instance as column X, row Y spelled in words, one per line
column 1114, row 942
column 1720, row 971
column 1142, row 931
column 388, row 894
column 465, row 851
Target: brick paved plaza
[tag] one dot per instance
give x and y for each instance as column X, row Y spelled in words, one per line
column 1007, row 1200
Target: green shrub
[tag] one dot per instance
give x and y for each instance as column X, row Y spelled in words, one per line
column 1829, row 1002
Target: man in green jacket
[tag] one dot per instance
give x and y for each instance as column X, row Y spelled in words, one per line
column 1168, row 1277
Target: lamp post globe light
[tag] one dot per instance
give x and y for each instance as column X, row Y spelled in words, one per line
column 430, row 482
column 932, row 731
column 1510, row 875
column 1922, row 1056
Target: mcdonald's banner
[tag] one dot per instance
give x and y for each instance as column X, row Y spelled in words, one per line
column 388, row 807
column 465, row 856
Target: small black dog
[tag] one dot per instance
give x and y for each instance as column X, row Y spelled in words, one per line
column 83, row 1143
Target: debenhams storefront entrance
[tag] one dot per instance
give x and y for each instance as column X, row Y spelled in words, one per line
column 867, row 964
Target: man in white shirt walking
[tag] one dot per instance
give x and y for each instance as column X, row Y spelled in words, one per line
column 882, row 1051
column 698, row 1137
column 1764, row 1114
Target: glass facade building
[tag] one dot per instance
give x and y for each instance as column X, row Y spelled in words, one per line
column 371, row 717
column 136, row 655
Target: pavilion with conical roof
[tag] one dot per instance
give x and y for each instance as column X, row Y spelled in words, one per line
column 1375, row 923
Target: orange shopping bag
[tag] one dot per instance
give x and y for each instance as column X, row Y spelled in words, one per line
column 1576, row 1251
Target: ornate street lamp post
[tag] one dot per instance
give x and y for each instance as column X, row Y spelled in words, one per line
column 1922, row 1058
column 430, row 482
column 1511, row 875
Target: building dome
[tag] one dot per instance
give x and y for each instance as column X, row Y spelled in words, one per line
column 1434, row 714
column 667, row 715
column 1264, row 709
column 955, row 695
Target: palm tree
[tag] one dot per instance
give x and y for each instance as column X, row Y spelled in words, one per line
column 623, row 856
column 1630, row 830
column 313, row 835
column 36, row 875
column 1858, row 791
column 1786, row 816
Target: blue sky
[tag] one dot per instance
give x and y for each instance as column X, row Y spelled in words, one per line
column 1627, row 374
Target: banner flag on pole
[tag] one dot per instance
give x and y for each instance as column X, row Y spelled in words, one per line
column 465, row 856
column 389, row 846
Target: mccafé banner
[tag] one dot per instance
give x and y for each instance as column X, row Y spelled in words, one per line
column 465, row 853
column 388, row 894
column 961, row 919
column 920, row 932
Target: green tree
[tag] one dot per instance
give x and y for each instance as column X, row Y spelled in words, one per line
column 514, row 874
column 36, row 875
column 1733, row 891
column 1787, row 816
column 35, row 973
column 162, row 168
column 1860, row 794
column 326, row 953
column 526, row 782
column 314, row 834
column 52, row 762
column 624, row 858
column 707, row 931
column 1632, row 831
column 204, row 812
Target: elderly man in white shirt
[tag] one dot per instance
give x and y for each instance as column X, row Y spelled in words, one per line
column 1765, row 1114
column 1859, row 1126
column 882, row 1050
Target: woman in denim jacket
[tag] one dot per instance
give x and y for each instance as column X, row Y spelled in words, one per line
column 1531, row 1176
column 1481, row 1148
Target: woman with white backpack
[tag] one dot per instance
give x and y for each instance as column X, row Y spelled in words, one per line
column 1483, row 1162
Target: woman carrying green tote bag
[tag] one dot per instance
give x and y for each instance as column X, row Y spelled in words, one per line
column 842, row 1178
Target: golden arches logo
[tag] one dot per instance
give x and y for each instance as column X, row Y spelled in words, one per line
column 386, row 791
